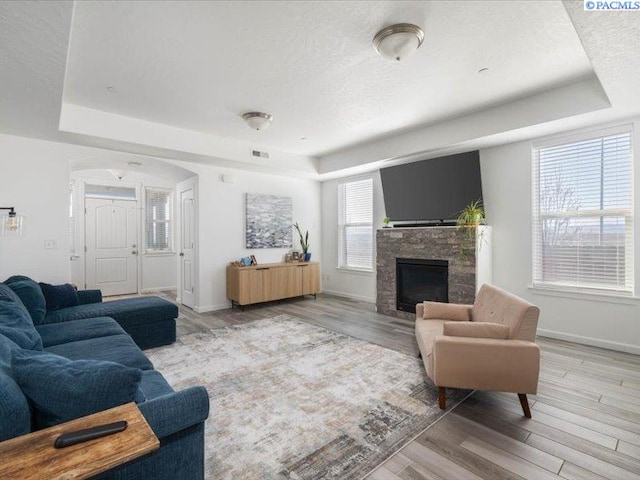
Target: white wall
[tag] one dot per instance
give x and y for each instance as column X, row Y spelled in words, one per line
column 157, row 271
column 221, row 208
column 337, row 281
column 34, row 178
column 506, row 176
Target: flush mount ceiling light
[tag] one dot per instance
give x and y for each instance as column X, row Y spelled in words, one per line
column 257, row 120
column 399, row 41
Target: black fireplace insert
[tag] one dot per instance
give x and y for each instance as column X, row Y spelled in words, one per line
column 418, row 280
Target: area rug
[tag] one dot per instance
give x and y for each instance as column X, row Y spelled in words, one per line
column 291, row 400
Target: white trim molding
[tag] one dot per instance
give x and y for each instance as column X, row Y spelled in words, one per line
column 590, row 341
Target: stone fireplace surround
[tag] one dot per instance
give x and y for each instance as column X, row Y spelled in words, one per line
column 469, row 258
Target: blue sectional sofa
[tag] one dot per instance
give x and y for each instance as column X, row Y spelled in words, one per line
column 150, row 321
column 177, row 418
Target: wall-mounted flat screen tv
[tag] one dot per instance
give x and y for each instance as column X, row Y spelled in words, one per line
column 432, row 190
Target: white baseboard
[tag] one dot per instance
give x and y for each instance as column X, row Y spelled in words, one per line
column 593, row 342
column 156, row 289
column 361, row 298
column 212, row 308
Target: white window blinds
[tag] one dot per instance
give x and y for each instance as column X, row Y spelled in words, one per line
column 355, row 218
column 158, row 215
column 583, row 213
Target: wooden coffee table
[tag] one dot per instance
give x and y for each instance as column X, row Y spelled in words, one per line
column 33, row 456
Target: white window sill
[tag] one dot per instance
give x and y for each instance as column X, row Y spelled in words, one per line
column 582, row 295
column 357, row 271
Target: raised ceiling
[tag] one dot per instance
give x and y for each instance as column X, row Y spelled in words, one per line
column 185, row 71
column 200, row 65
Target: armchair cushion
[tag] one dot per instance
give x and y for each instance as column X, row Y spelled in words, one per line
column 477, row 330
column 495, row 305
column 61, row 390
column 446, row 311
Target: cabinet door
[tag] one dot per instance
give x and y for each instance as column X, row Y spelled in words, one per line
column 310, row 278
column 284, row 282
column 252, row 286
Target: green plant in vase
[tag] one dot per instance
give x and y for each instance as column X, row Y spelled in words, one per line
column 385, row 222
column 470, row 218
column 472, row 215
column 304, row 242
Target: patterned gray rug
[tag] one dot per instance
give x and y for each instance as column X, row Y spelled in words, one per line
column 293, row 400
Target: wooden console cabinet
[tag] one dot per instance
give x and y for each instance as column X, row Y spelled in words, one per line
column 272, row 281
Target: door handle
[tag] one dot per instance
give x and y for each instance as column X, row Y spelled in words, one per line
column 74, row 257
column 134, row 252
column 181, row 254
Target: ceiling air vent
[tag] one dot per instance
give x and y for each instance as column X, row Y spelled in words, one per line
column 259, row 154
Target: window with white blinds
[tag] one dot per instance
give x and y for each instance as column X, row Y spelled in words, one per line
column 158, row 220
column 583, row 213
column 355, row 219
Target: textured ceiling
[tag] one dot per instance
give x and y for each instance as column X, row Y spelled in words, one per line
column 199, row 65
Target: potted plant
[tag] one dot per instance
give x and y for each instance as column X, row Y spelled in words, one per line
column 304, row 242
column 385, row 222
column 472, row 215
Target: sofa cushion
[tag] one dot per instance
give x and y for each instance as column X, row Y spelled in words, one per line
column 59, row 296
column 76, row 330
column 127, row 312
column 16, row 278
column 116, row 348
column 15, row 416
column 476, row 330
column 61, row 390
column 15, row 321
column 446, row 311
column 154, row 385
column 32, row 298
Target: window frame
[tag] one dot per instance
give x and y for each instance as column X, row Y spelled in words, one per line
column 170, row 222
column 342, row 227
column 583, row 288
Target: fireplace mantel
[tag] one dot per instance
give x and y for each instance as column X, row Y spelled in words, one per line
column 468, row 253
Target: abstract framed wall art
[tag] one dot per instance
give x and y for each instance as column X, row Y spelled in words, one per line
column 269, row 220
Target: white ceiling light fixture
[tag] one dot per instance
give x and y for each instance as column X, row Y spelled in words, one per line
column 398, row 42
column 257, row 120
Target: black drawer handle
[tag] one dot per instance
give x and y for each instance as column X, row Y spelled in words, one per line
column 303, row 265
column 265, row 268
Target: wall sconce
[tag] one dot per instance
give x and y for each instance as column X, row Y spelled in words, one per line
column 11, row 224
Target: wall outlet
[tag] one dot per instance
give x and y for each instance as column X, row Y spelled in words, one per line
column 50, row 244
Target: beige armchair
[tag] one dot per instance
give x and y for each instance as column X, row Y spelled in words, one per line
column 489, row 345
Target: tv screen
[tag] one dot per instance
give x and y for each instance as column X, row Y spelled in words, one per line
column 432, row 190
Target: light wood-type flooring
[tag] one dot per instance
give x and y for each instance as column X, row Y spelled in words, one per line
column 586, row 415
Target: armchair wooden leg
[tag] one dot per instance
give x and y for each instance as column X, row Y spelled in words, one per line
column 442, row 398
column 525, row 404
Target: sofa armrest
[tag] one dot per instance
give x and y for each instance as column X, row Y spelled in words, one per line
column 171, row 413
column 444, row 311
column 89, row 296
column 486, row 364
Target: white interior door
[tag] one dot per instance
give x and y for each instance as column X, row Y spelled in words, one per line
column 187, row 247
column 111, row 228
